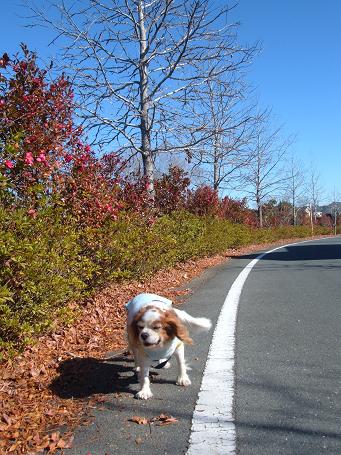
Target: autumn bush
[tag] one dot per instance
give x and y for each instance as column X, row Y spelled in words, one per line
column 237, row 211
column 171, row 190
column 203, row 201
column 44, row 159
column 37, row 131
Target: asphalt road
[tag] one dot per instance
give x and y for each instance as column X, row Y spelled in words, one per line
column 288, row 357
column 288, row 369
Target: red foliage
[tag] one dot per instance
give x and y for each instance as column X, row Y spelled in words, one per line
column 171, row 190
column 90, row 191
column 325, row 220
column 134, row 194
column 237, row 212
column 203, row 201
column 37, row 133
column 277, row 214
column 43, row 159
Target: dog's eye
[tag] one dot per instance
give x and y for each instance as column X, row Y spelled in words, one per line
column 140, row 326
column 156, row 327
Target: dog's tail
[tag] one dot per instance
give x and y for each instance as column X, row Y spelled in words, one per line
column 193, row 323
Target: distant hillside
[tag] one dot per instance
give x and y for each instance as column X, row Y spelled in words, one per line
column 330, row 208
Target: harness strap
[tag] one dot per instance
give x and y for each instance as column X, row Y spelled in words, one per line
column 162, row 364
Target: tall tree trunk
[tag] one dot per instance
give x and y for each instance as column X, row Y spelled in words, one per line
column 148, row 172
column 148, row 164
column 260, row 212
column 216, row 168
column 260, row 215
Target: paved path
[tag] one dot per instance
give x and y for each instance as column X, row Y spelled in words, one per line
column 288, row 358
column 287, row 365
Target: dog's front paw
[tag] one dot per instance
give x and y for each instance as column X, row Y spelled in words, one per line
column 183, row 381
column 144, row 394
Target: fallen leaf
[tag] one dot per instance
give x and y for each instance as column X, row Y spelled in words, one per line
column 138, row 440
column 34, row 373
column 139, row 420
column 6, row 419
column 69, row 442
column 163, row 419
column 52, row 446
column 55, row 436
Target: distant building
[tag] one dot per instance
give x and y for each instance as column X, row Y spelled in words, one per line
column 316, row 215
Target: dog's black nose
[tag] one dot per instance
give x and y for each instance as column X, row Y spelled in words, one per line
column 144, row 336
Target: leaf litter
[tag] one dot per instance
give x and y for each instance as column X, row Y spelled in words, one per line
column 160, row 420
column 30, row 411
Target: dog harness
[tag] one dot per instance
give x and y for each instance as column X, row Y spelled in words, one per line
column 137, row 303
column 168, row 357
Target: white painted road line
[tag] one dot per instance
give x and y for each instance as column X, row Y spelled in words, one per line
column 213, row 426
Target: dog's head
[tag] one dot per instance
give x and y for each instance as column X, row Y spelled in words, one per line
column 154, row 327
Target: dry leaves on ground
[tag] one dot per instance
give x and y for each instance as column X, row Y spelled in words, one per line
column 31, row 414
column 160, row 420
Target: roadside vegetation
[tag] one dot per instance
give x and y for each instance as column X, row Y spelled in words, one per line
column 71, row 221
column 119, row 166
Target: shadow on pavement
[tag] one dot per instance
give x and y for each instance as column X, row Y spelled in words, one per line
column 83, row 377
column 317, row 251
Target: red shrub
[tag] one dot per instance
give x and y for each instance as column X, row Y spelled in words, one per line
column 91, row 190
column 171, row 190
column 203, row 201
column 134, row 194
column 237, row 211
column 43, row 159
column 37, row 133
column 277, row 214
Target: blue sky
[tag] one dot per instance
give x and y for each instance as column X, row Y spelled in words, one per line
column 298, row 72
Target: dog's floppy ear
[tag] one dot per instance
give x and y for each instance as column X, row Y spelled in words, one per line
column 133, row 330
column 175, row 328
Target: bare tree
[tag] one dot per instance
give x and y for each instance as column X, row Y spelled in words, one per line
column 295, row 187
column 232, row 124
column 335, row 210
column 138, row 65
column 265, row 177
column 314, row 193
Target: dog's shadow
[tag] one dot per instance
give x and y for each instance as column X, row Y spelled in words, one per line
column 84, row 377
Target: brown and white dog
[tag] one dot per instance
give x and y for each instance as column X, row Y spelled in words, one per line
column 156, row 331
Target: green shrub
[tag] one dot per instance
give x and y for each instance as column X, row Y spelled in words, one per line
column 48, row 261
column 41, row 269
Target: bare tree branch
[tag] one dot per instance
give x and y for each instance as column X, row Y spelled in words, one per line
column 138, row 67
column 265, row 174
